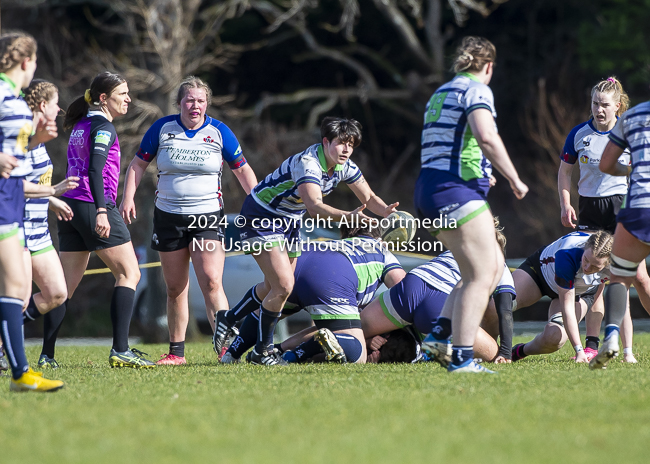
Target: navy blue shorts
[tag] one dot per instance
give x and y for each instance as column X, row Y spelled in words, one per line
column 413, row 302
column 443, row 196
column 12, row 205
column 636, row 221
column 264, row 229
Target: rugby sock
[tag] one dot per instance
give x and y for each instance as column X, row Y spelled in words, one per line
column 268, row 320
column 615, row 304
column 31, row 313
column 177, row 348
column 247, row 305
column 121, row 311
column 11, row 330
column 592, row 342
column 461, row 354
column 247, row 336
column 303, row 352
column 351, row 346
column 442, row 329
column 51, row 324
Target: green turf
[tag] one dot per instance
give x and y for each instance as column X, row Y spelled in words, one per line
column 542, row 410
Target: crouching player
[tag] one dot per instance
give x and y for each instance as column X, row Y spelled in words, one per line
column 333, row 280
column 572, row 271
column 419, row 298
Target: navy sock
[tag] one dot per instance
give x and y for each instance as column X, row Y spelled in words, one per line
column 306, row 350
column 11, row 330
column 51, row 324
column 611, row 328
column 268, row 320
column 121, row 311
column 461, row 354
column 442, row 329
column 247, row 305
column 177, row 348
column 592, row 342
column 351, row 346
column 31, row 313
column 247, row 336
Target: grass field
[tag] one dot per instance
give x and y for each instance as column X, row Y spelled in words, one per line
column 541, row 410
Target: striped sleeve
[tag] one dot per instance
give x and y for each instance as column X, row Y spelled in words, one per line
column 479, row 97
column 616, row 135
column 351, row 172
column 390, row 263
column 305, row 169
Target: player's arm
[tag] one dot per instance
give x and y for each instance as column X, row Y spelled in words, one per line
column 367, row 197
column 393, row 277
column 609, row 162
column 503, row 304
column 482, row 124
column 312, row 197
column 246, row 177
column 7, row 164
column 43, row 191
column 568, row 308
column 568, row 215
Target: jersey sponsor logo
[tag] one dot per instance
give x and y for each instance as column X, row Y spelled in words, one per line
column 449, row 208
column 77, row 133
column 46, row 177
column 103, row 137
column 311, row 172
column 339, row 300
column 155, row 239
column 22, row 141
column 584, row 159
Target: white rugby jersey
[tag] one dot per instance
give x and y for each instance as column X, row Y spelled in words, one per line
column 278, row 192
column 632, row 131
column 443, row 274
column 447, row 140
column 189, row 163
column 15, row 126
column 585, row 145
column 37, row 234
column 561, row 265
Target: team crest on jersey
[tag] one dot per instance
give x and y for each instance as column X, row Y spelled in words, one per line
column 103, row 137
column 586, row 142
column 209, row 139
column 584, row 159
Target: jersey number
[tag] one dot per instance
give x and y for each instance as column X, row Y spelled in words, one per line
column 435, row 107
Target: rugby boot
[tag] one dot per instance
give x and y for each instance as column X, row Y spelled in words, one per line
column 130, row 358
column 471, row 367
column 437, row 350
column 608, row 350
column 266, row 358
column 223, row 331
column 228, row 358
column 331, row 347
column 34, row 381
column 171, row 360
column 44, row 362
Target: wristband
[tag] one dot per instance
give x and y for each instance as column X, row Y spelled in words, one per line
column 101, row 212
column 578, row 348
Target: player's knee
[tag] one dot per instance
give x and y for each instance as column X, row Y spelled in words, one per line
column 174, row 291
column 284, row 287
column 58, row 298
column 351, row 346
column 554, row 337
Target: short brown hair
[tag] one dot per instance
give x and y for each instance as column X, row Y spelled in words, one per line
column 343, row 129
column 473, row 53
column 39, row 91
column 193, row 82
column 14, row 48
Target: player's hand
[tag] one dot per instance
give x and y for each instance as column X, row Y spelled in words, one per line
column 518, row 188
column 501, row 360
column 581, row 357
column 493, row 181
column 373, row 357
column 103, row 227
column 127, row 209
column 46, row 130
column 358, row 213
column 377, row 342
column 7, row 164
column 61, row 209
column 70, row 183
column 569, row 217
column 391, row 209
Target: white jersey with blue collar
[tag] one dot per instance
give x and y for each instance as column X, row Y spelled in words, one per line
column 15, row 128
column 278, row 192
column 561, row 265
column 585, row 145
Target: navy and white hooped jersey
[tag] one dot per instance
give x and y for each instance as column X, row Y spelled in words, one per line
column 585, row 145
column 190, row 163
column 443, row 273
column 278, row 192
column 632, row 131
column 447, row 140
column 561, row 265
column 371, row 260
column 37, row 234
column 15, row 128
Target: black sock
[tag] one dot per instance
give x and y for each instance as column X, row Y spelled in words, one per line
column 442, row 329
column 307, row 350
column 247, row 305
column 121, row 312
column 461, row 354
column 592, row 342
column 177, row 348
column 51, row 324
column 268, row 320
column 247, row 336
column 31, row 313
column 11, row 331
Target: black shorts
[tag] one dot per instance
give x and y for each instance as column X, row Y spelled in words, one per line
column 533, row 268
column 79, row 234
column 599, row 213
column 173, row 232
